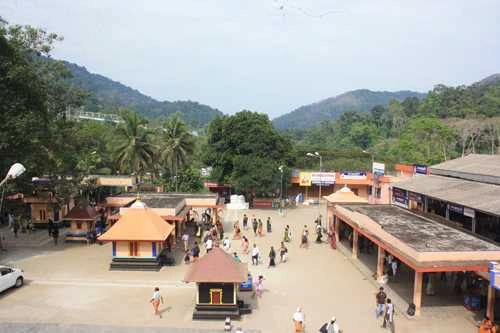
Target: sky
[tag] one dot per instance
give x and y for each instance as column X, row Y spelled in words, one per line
column 271, row 56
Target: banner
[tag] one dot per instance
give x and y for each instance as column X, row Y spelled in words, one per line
column 323, row 178
column 353, row 175
column 420, row 169
column 400, row 197
column 416, row 197
column 378, row 168
column 469, row 212
column 456, row 208
column 305, row 178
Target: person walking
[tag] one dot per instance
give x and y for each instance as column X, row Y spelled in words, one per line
column 287, row 235
column 209, row 244
column 245, row 244
column 268, row 225
column 283, row 252
column 272, row 257
column 50, row 227
column 259, row 286
column 55, row 234
column 245, row 221
column 389, row 315
column 15, row 227
column 185, row 240
column 155, row 300
column 487, row 326
column 255, row 224
column 298, row 320
column 304, row 239
column 332, row 326
column 255, row 255
column 380, row 298
column 226, row 244
column 195, row 251
column 260, row 228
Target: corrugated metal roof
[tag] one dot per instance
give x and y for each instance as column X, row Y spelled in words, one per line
column 476, row 195
column 483, row 168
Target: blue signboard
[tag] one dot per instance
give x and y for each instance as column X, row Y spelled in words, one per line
column 456, row 208
column 420, row 169
column 400, row 197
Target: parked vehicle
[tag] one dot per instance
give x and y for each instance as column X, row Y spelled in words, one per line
column 10, row 277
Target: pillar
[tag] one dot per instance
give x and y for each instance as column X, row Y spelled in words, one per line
column 447, row 212
column 380, row 262
column 474, row 223
column 355, row 246
column 426, row 204
column 337, row 222
column 417, row 291
column 490, row 305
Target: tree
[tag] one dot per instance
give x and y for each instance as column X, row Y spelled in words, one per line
column 245, row 151
column 133, row 146
column 176, row 145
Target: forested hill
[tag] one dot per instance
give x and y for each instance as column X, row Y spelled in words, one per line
column 362, row 100
column 106, row 95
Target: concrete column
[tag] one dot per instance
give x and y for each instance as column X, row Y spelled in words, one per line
column 355, row 246
column 426, row 204
column 337, row 222
column 490, row 305
column 417, row 291
column 474, row 223
column 380, row 262
column 447, row 212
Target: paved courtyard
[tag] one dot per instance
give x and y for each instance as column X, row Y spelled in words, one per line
column 71, row 285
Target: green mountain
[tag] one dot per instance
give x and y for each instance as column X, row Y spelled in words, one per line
column 108, row 96
column 362, row 100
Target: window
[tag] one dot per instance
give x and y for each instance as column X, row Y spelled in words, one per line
column 132, row 248
column 79, row 225
column 42, row 214
column 378, row 192
column 6, row 271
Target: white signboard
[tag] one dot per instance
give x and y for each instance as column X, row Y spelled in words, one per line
column 353, row 175
column 323, row 178
column 378, row 168
column 469, row 212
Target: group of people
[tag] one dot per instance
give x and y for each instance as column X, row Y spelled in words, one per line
column 298, row 318
column 385, row 308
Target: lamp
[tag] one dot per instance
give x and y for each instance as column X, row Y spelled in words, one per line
column 16, row 170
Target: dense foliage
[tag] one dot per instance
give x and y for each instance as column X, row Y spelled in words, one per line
column 245, row 151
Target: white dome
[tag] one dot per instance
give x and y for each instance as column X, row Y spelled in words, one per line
column 138, row 204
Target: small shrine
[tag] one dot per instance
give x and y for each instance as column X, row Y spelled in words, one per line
column 217, row 276
column 81, row 221
column 138, row 238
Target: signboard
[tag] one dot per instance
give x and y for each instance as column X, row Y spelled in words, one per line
column 305, row 178
column 469, row 212
column 378, row 168
column 323, row 178
column 353, row 175
column 420, row 169
column 416, row 197
column 400, row 197
column 494, row 272
column 456, row 208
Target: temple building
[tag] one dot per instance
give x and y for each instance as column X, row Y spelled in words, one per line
column 217, row 276
column 81, row 221
column 138, row 238
column 442, row 228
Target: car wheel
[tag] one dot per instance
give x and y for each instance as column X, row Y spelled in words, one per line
column 19, row 282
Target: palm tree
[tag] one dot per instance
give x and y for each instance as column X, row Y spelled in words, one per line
column 177, row 143
column 133, row 146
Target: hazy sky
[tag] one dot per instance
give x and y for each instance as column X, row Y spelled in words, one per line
column 271, row 56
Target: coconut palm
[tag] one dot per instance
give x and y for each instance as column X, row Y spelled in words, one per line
column 176, row 144
column 133, row 148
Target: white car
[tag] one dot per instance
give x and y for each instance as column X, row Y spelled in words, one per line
column 10, row 277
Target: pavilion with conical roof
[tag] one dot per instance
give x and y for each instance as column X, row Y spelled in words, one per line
column 138, row 238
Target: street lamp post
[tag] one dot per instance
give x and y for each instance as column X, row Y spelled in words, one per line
column 317, row 155
column 280, row 168
column 15, row 171
column 373, row 179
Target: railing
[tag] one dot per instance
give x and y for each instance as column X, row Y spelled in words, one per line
column 96, row 116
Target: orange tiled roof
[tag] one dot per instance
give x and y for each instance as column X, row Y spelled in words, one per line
column 138, row 224
column 344, row 195
column 78, row 213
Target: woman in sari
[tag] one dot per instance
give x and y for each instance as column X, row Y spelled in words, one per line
column 260, row 228
column 287, row 234
column 245, row 244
